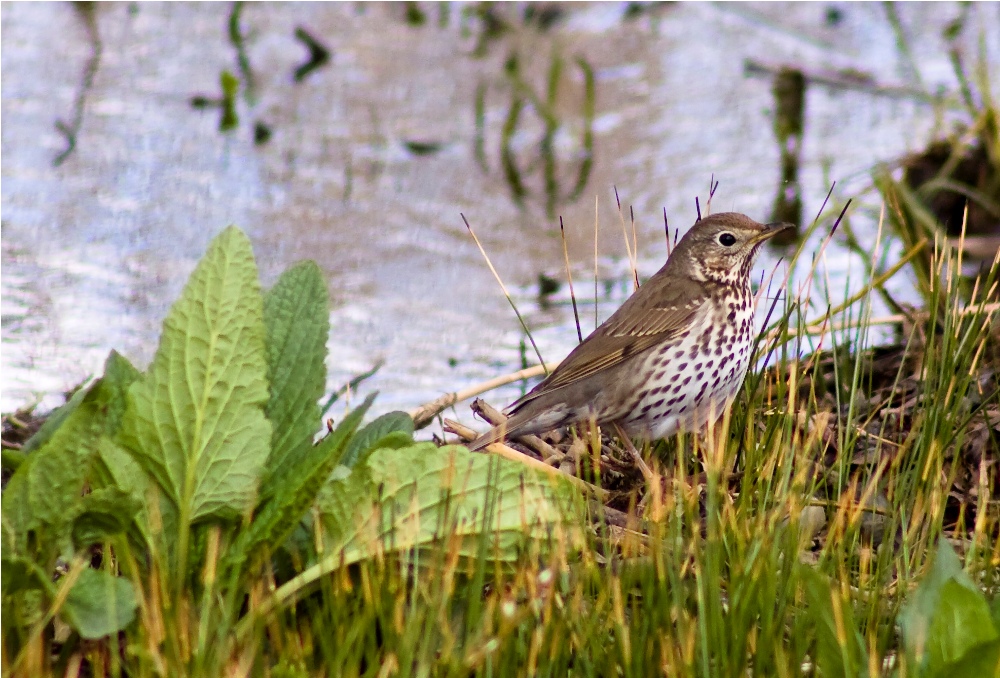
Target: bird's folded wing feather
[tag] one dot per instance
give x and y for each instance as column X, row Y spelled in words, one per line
column 620, row 338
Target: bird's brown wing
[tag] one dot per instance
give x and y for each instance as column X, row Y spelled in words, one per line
column 627, row 333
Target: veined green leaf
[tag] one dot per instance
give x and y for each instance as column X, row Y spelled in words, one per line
column 400, row 499
column 46, row 490
column 119, row 375
column 405, row 500
column 100, row 604
column 43, row 496
column 196, row 421
column 297, row 320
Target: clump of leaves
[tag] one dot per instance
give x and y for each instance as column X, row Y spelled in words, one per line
column 154, row 504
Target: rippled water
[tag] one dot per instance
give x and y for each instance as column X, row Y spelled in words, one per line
column 96, row 249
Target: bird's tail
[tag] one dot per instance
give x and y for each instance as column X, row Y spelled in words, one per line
column 494, row 435
column 519, row 423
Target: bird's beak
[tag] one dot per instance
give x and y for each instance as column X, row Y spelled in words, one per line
column 771, row 230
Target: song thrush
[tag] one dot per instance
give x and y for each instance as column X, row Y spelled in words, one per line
column 673, row 356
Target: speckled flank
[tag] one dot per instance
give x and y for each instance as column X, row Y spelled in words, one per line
column 692, row 382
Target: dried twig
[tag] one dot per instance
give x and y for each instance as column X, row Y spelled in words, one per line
column 424, row 414
column 510, row 453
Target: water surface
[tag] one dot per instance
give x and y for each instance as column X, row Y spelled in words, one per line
column 95, row 249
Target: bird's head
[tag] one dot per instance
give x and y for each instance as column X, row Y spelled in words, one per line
column 722, row 247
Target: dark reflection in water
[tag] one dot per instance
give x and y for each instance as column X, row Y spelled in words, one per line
column 364, row 162
column 789, row 118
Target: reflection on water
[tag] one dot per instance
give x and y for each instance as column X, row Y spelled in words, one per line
column 789, row 119
column 365, row 163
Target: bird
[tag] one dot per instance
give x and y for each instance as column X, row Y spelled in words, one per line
column 672, row 357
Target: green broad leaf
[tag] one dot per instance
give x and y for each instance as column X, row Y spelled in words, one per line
column 11, row 460
column 46, row 490
column 118, row 469
column 947, row 615
column 26, row 607
column 42, row 497
column 22, row 574
column 840, row 648
column 981, row 660
column 54, row 421
column 104, row 512
column 196, row 420
column 287, row 497
column 118, row 376
column 410, row 498
column 297, row 320
column 99, row 604
column 327, row 453
column 961, row 624
column 394, row 429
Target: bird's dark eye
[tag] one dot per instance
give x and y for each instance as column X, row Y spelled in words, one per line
column 727, row 239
